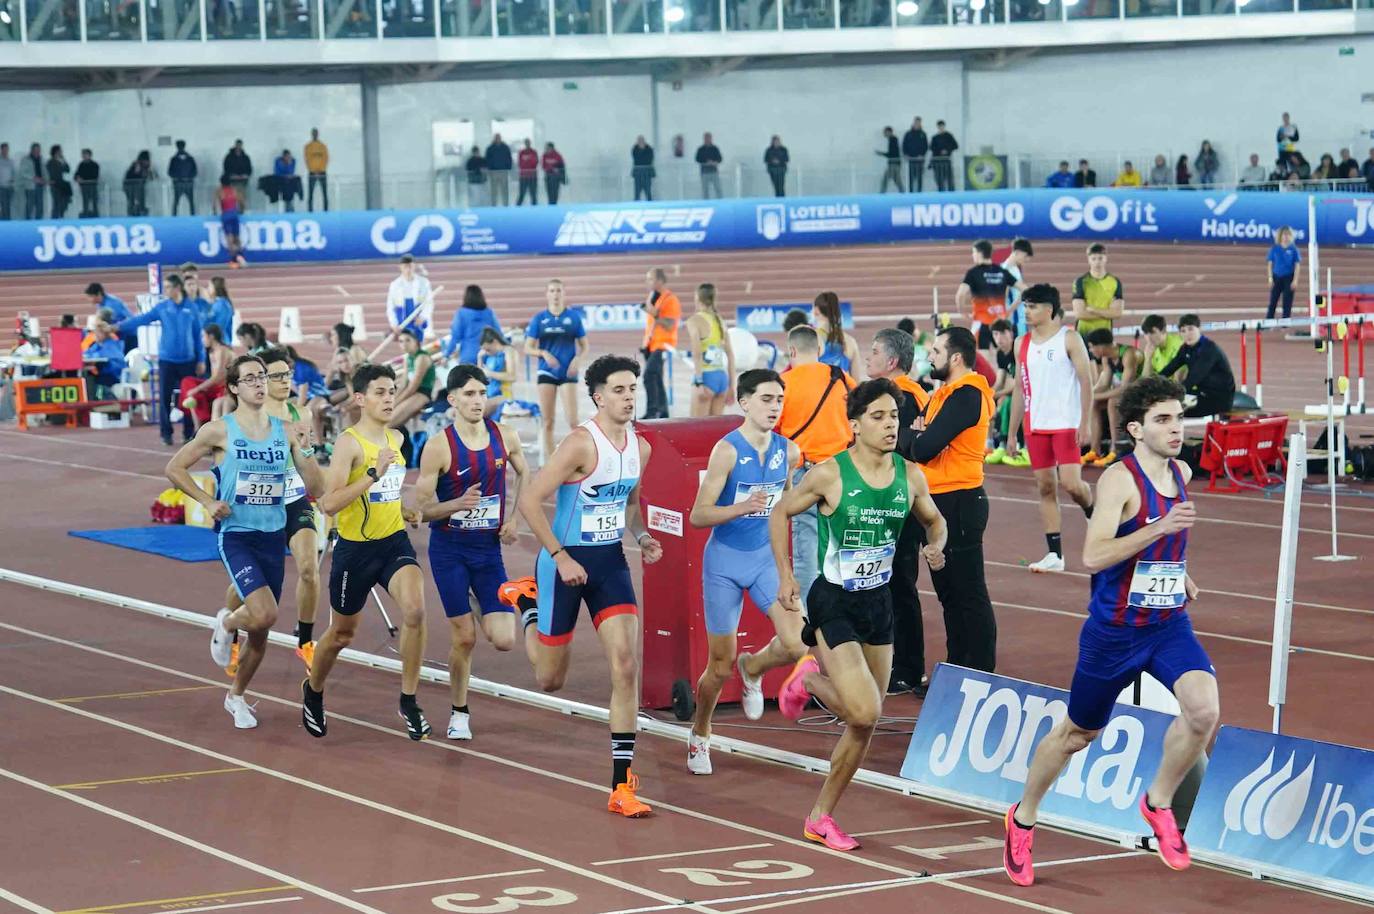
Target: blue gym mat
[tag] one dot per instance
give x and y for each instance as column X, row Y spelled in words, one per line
column 173, row 541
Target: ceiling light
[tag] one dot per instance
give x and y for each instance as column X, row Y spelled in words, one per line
column 977, row 5
column 675, row 14
column 908, row 8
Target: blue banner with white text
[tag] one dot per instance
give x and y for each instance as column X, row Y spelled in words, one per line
column 1144, row 215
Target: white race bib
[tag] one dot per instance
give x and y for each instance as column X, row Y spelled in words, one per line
column 744, row 490
column 602, row 523
column 486, row 516
column 713, row 357
column 1159, row 585
column 865, row 569
column 388, row 488
column 259, row 488
column 295, row 485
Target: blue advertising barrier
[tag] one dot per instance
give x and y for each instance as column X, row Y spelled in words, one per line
column 1174, row 216
column 1288, row 807
column 977, row 733
column 769, row 318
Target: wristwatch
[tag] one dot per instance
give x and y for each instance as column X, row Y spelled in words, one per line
column 372, row 471
column 308, row 451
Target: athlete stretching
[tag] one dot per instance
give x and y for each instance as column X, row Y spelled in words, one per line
column 254, row 451
column 461, row 491
column 1137, row 622
column 747, row 474
column 595, row 471
column 864, row 495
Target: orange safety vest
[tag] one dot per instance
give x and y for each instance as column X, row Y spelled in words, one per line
column 960, row 465
column 829, row 433
column 669, row 309
column 913, row 387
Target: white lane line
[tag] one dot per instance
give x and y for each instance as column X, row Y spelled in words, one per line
column 169, row 834
column 242, row 904
column 676, row 854
column 898, row 831
column 348, row 797
column 73, row 439
column 416, row 885
column 105, row 471
column 22, row 902
column 342, row 291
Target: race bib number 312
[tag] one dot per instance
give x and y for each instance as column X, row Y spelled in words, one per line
column 259, row 488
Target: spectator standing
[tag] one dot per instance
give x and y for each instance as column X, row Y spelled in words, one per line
column 942, row 147
column 58, row 169
column 892, row 172
column 317, row 171
column 476, row 167
column 1254, row 173
column 527, row 160
column 238, row 168
column 1160, row 176
column 1062, row 177
column 180, row 350
column 284, row 170
column 1129, row 177
column 88, row 179
column 1183, row 176
column 709, row 158
column 498, row 170
column 465, row 334
column 915, row 145
column 775, row 159
column 7, row 172
column 1207, row 164
column 642, row 168
column 136, row 179
column 182, row 170
column 1209, row 377
column 555, row 172
column 1367, row 170
column 662, row 315
column 1286, row 137
column 1099, row 299
column 1085, row 176
column 1283, row 261
column 35, row 177
column 221, row 310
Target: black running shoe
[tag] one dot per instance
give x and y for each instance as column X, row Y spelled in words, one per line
column 417, row 728
column 312, row 710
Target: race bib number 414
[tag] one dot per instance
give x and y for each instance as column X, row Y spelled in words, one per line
column 388, row 488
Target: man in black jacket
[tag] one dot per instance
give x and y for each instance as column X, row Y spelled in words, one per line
column 893, row 154
column 709, row 158
column 1085, row 176
column 238, row 168
column 915, row 145
column 498, row 170
column 88, row 179
column 775, row 159
column 36, row 179
column 182, row 170
column 642, row 168
column 1209, row 371
column 942, row 147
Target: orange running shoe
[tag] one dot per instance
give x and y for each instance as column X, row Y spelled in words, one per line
column 624, row 801
column 307, row 654
column 231, row 669
column 1090, row 458
column 515, row 593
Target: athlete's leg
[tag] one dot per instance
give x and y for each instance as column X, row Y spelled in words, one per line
column 1046, row 487
column 1114, row 432
column 493, row 404
column 1051, row 757
column 785, row 647
column 256, row 618
column 499, row 629
column 1188, row 735
column 407, row 409
column 407, row 588
column 1071, row 484
column 720, row 666
column 232, row 600
column 305, row 551
column 551, row 665
column 849, row 689
column 718, row 403
column 548, row 398
column 568, row 394
column 619, row 636
column 702, row 398
column 338, row 636
column 464, row 638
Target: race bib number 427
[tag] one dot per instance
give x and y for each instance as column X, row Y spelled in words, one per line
column 865, row 569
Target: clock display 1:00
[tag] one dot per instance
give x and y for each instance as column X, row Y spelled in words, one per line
column 57, row 393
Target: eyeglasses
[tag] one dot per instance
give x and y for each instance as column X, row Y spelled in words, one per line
column 257, row 380
column 278, row 375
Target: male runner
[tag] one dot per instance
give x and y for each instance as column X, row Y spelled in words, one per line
column 301, row 536
column 408, row 293
column 864, row 495
column 1137, row 623
column 746, row 475
column 1004, row 343
column 983, row 292
column 1054, row 395
column 1117, row 366
column 253, row 451
column 1098, row 296
column 596, row 472
column 461, row 491
column 1021, row 251
column 363, row 493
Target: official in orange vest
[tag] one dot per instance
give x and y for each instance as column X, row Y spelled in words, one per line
column 662, row 316
column 950, row 448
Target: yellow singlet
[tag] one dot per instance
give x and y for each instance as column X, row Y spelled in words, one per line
column 377, row 513
column 710, row 353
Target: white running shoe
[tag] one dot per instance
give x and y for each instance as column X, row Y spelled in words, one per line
column 459, row 726
column 1050, row 563
column 242, row 711
column 751, row 695
column 699, row 754
column 221, row 641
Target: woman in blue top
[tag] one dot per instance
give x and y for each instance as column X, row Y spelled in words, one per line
column 465, row 335
column 1284, row 258
column 222, row 311
column 841, row 349
column 497, row 360
column 558, row 341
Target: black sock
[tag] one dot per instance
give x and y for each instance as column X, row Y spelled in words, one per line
column 305, row 632
column 1088, row 511
column 1150, row 807
column 529, row 617
column 1018, row 824
column 1056, row 543
column 461, row 709
column 622, row 754
column 408, row 702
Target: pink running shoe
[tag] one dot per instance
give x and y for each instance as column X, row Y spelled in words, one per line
column 792, row 697
column 1173, row 850
column 1016, row 852
column 825, row 831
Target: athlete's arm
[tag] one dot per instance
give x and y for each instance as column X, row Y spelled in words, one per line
column 1116, row 309
column 310, row 472
column 689, row 327
column 1078, row 355
column 924, row 510
column 1102, row 380
column 651, row 548
column 434, row 459
column 574, row 457
column 1130, row 367
column 515, row 460
column 705, row 511
column 851, row 352
column 1116, row 500
column 507, row 373
column 963, row 299
column 348, row 454
column 1018, row 411
column 208, row 439
column 532, row 349
column 729, row 362
column 576, row 360
column 413, row 382
column 812, row 490
column 960, row 413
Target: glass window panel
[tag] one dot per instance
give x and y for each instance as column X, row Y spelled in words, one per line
column 977, row 12
column 629, row 17
column 407, row 18
column 350, row 19
column 579, row 17
column 173, row 20
column 522, row 17
column 9, row 20
column 1092, row 9
column 54, row 20
column 291, row 19
column 1144, row 9
column 922, row 12
column 109, row 20
column 808, row 14
column 1318, row 5
column 692, row 15
column 864, row 14
column 1265, row 6
column 754, row 15
column 232, row 18
column 1034, row 11
column 1209, row 7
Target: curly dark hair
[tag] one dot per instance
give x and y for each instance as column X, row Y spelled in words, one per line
column 1144, row 393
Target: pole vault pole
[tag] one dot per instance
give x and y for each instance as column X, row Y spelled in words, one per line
column 1313, row 278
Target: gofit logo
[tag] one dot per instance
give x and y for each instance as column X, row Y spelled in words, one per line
column 1268, row 802
column 417, row 226
column 95, row 241
column 1102, row 214
column 672, row 225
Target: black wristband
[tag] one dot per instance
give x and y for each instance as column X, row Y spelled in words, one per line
column 555, row 552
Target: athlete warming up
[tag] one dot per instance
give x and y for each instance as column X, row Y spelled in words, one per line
column 1137, row 623
column 461, row 491
column 595, row 472
column 747, row 474
column 864, row 495
column 363, row 493
column 253, row 451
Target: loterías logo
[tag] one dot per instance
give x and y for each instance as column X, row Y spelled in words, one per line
column 1268, row 802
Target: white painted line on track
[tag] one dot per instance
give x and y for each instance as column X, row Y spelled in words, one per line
column 22, row 902
column 674, row 855
column 427, row 882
